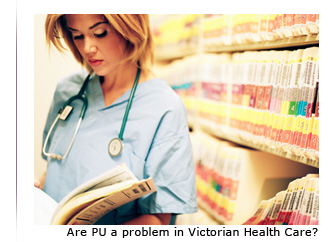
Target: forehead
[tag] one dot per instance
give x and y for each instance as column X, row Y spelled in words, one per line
column 82, row 21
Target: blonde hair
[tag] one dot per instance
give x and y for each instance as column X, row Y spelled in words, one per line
column 134, row 28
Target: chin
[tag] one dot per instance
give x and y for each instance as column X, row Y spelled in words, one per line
column 99, row 72
column 102, row 71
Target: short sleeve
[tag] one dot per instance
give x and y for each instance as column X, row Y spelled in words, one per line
column 174, row 177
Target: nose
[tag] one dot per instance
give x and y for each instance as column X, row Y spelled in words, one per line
column 90, row 46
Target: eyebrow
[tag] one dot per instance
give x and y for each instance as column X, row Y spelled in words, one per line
column 91, row 27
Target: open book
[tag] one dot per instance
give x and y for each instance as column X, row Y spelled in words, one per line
column 89, row 202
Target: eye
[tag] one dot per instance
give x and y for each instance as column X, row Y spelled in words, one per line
column 103, row 34
column 78, row 37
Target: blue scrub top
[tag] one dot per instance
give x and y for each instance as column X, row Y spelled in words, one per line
column 156, row 144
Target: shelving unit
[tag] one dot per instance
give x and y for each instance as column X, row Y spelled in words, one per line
column 167, row 54
column 172, row 53
column 233, row 136
column 292, row 42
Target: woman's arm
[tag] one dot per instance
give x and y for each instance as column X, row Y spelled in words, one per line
column 150, row 219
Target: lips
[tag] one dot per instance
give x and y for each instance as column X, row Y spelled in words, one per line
column 95, row 62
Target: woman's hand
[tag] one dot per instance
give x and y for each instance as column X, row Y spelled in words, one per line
column 39, row 182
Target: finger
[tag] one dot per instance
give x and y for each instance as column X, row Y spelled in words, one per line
column 37, row 183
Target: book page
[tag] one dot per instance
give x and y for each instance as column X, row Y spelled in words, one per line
column 44, row 207
column 92, row 213
column 116, row 175
column 81, row 201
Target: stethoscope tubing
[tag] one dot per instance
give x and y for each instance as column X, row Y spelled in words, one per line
column 130, row 101
column 79, row 96
column 82, row 96
column 76, row 97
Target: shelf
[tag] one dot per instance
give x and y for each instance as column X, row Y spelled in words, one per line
column 233, row 135
column 171, row 53
column 277, row 44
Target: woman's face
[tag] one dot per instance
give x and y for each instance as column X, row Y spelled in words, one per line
column 96, row 41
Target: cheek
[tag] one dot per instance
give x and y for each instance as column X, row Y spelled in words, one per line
column 79, row 47
column 113, row 50
column 114, row 45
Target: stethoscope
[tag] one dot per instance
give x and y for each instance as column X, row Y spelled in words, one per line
column 115, row 146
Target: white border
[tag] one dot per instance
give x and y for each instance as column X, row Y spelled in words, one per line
column 26, row 231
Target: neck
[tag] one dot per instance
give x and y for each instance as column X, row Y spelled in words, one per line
column 119, row 81
column 120, row 78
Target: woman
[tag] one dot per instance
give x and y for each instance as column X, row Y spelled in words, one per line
column 117, row 52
